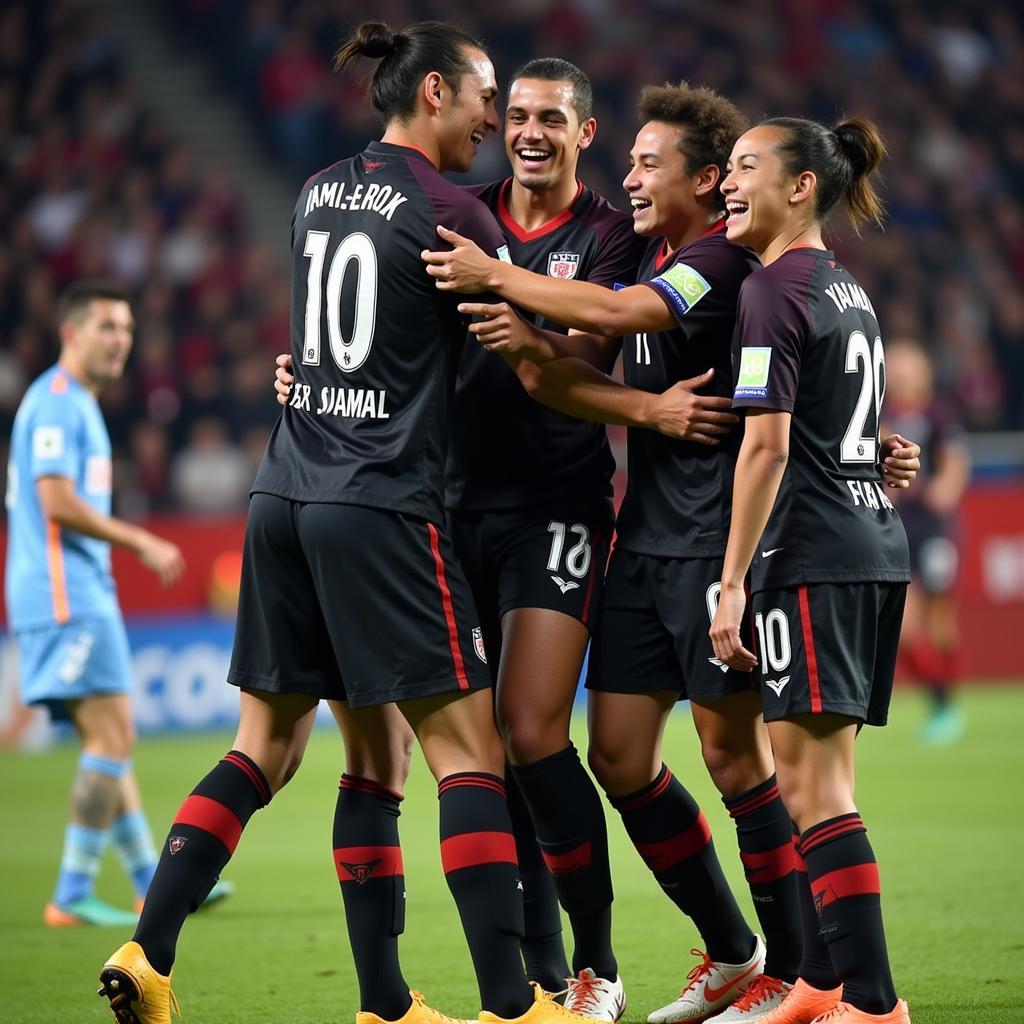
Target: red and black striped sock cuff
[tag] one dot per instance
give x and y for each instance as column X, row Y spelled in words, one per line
column 359, row 784
column 211, row 816
column 664, row 854
column 641, row 797
column 830, row 830
column 476, row 849
column 753, row 800
column 252, row 771
column 480, row 780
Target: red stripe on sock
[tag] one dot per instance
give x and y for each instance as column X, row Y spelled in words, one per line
column 753, row 803
column 829, row 832
column 472, row 849
column 642, row 799
column 361, row 863
column 667, row 853
column 769, row 865
column 859, row 880
column 361, row 785
column 799, row 863
column 449, row 609
column 480, row 781
column 211, row 816
column 576, row 859
column 255, row 777
column 812, row 658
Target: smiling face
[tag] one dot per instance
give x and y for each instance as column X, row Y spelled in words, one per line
column 470, row 115
column 758, row 192
column 659, row 188
column 543, row 134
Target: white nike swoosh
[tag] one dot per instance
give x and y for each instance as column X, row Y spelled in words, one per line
column 765, row 554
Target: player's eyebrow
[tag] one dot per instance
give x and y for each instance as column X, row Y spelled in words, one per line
column 747, row 156
column 549, row 112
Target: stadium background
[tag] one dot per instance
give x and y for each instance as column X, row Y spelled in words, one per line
column 162, row 142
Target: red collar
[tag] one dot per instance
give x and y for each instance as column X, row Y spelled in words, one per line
column 518, row 230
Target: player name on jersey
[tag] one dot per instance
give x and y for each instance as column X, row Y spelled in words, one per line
column 382, row 199
column 869, row 494
column 353, row 403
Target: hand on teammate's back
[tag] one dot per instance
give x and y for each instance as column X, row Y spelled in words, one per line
column 681, row 413
column 163, row 557
column 464, row 268
column 501, row 329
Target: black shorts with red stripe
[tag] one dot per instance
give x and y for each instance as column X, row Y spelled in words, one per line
column 652, row 631
column 344, row 602
column 828, row 648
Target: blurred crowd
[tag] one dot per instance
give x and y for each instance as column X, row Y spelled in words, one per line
column 92, row 182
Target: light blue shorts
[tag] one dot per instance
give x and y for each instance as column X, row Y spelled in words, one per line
column 83, row 658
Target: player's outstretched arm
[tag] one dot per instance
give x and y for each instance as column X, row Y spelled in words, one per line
column 901, row 459
column 60, row 504
column 579, row 304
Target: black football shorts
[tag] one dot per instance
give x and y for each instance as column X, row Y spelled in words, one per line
column 345, row 602
column 828, row 647
column 548, row 556
column 652, row 629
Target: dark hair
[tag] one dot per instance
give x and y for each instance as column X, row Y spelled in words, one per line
column 843, row 159
column 73, row 303
column 710, row 123
column 554, row 69
column 406, row 57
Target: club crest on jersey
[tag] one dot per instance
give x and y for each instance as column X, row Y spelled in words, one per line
column 563, row 265
column 564, row 586
column 478, row 644
column 777, row 685
column 360, row 872
column 176, row 844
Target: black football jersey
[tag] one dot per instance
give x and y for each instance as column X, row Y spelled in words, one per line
column 678, row 495
column 808, row 343
column 508, row 450
column 375, row 346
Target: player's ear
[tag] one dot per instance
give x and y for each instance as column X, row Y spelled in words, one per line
column 708, row 179
column 433, row 90
column 587, row 132
column 805, row 185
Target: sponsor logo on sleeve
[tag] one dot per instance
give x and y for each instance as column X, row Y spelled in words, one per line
column 563, row 265
column 683, row 285
column 48, row 443
column 98, row 475
column 752, row 380
column 503, row 254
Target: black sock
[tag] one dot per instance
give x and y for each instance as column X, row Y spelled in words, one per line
column 566, row 810
column 202, row 839
column 478, row 855
column 672, row 836
column 815, row 963
column 543, row 953
column 369, row 862
column 765, row 834
column 844, row 881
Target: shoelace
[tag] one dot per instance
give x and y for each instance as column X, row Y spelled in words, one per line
column 761, row 988
column 419, row 999
column 583, row 993
column 699, row 972
column 552, row 1005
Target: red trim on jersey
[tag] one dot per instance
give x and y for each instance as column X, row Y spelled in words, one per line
column 590, row 592
column 491, row 782
column 812, row 658
column 769, row 865
column 422, row 152
column 474, row 849
column 449, row 609
column 663, row 254
column 667, row 853
column 834, row 831
column 360, row 785
column 859, row 880
column 546, row 228
column 361, row 863
column 211, row 816
column 260, row 784
column 643, row 799
column 715, row 228
column 753, row 803
column 576, row 859
column 59, row 383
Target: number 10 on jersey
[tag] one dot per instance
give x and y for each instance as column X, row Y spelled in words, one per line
column 349, row 353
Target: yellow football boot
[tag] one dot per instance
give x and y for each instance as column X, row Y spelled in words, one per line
column 137, row 994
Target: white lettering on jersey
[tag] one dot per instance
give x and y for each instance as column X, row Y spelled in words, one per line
column 847, row 295
column 353, row 403
column 382, row 199
column 869, row 494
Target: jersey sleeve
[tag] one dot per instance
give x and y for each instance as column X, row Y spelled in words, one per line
column 685, row 287
column 53, row 438
column 618, row 256
column 772, row 332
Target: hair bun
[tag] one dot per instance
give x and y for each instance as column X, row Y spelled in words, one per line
column 859, row 142
column 376, row 40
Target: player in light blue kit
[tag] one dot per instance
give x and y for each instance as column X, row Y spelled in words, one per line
column 61, row 597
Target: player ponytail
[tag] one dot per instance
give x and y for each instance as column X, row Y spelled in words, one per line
column 406, row 57
column 843, row 159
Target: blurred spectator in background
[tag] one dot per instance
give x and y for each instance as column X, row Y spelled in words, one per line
column 210, row 475
column 930, row 644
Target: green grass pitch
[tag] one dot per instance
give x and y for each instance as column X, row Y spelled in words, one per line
column 947, row 826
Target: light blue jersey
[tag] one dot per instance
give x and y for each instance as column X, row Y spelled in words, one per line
column 55, row 575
